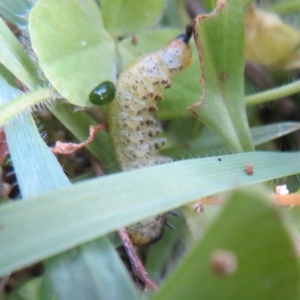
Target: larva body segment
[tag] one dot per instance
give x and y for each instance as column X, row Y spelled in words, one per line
column 132, row 125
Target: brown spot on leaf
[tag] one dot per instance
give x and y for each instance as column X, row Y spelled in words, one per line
column 249, row 169
column 134, row 40
column 223, row 77
column 223, row 262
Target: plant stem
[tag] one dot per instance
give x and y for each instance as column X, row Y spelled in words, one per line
column 286, row 8
column 273, row 94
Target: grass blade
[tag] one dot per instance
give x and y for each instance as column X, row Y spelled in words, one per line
column 48, row 224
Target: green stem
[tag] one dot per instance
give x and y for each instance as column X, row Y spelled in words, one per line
column 273, row 94
column 286, row 8
column 10, row 109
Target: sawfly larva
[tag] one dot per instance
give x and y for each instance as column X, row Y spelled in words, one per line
column 132, row 125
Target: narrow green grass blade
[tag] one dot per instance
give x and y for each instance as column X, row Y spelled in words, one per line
column 14, row 11
column 46, row 225
column 74, row 50
column 210, row 144
column 38, row 171
column 9, row 77
column 91, row 270
column 259, row 260
column 14, row 58
column 222, row 42
column 14, row 107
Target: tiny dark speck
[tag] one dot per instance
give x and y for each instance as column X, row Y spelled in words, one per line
column 223, row 77
column 134, row 40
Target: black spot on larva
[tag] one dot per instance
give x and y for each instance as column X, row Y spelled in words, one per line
column 175, row 70
column 138, row 128
column 149, row 122
column 151, row 108
column 168, row 86
column 156, row 146
column 142, row 141
column 150, row 133
column 158, row 97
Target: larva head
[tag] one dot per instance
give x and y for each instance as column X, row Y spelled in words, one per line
column 177, row 54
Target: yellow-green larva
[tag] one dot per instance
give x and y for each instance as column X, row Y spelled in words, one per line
column 132, row 124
